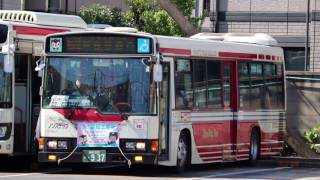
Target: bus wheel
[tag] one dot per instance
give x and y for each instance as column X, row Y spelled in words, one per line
column 182, row 153
column 254, row 147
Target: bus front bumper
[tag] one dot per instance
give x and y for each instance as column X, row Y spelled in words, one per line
column 110, row 158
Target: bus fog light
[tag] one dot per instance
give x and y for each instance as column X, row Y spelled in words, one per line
column 62, row 145
column 138, row 158
column 52, row 157
column 52, row 144
column 141, row 146
column 3, row 131
column 130, row 145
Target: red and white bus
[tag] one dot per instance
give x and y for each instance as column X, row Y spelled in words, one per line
column 22, row 35
column 115, row 97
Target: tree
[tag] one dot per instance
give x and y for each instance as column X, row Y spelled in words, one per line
column 100, row 14
column 149, row 17
column 179, row 14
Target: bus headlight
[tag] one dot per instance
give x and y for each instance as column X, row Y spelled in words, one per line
column 141, row 146
column 52, row 144
column 62, row 145
column 130, row 145
column 3, row 130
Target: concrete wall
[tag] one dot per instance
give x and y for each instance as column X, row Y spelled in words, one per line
column 303, row 112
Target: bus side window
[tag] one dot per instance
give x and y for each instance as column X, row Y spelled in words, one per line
column 244, row 85
column 214, row 84
column 200, row 84
column 183, row 84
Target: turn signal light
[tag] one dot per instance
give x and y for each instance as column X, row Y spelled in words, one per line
column 154, row 146
column 41, row 143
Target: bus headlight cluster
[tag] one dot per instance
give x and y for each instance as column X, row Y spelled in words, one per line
column 54, row 144
column 3, row 131
column 141, row 146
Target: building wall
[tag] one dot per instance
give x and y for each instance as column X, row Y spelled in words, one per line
column 284, row 19
column 10, row 4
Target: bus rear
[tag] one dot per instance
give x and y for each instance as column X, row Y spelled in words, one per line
column 99, row 99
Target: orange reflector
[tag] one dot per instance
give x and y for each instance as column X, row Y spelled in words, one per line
column 52, row 157
column 138, row 158
column 41, row 141
column 154, row 146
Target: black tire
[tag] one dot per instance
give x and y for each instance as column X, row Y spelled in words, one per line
column 254, row 153
column 183, row 153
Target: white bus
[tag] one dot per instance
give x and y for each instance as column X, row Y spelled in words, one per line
column 22, row 35
column 130, row 97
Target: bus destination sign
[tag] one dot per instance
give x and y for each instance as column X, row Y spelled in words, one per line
column 99, row 44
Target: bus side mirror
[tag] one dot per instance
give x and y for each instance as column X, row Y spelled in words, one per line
column 157, row 72
column 8, row 63
column 8, row 51
column 39, row 67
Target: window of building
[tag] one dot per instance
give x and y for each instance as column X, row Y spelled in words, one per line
column 54, row 6
column 294, row 58
column 206, row 5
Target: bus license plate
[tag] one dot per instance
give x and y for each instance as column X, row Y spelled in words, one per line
column 94, row 156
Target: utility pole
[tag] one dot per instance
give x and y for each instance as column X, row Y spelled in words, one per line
column 307, row 37
column 22, row 7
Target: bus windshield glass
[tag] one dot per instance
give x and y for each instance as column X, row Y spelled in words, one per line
column 109, row 85
column 5, row 86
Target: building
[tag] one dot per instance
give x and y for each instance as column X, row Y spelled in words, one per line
column 57, row 6
column 284, row 19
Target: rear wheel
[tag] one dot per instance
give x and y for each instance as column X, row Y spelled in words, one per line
column 254, row 147
column 182, row 153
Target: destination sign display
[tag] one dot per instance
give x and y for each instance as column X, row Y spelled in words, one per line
column 99, row 44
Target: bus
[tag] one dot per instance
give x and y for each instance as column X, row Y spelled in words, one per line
column 123, row 96
column 22, row 35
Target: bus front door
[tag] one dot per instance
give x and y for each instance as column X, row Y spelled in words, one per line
column 164, row 112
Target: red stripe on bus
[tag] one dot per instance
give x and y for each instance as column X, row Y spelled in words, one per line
column 176, row 51
column 210, row 155
column 87, row 115
column 209, row 149
column 238, row 55
column 37, row 31
column 212, row 159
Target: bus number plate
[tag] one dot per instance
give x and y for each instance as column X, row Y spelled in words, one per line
column 94, row 156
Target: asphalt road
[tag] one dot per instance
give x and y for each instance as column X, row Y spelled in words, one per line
column 226, row 171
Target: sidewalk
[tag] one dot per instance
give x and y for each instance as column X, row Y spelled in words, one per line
column 290, row 162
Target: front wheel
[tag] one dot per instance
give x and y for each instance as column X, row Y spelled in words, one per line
column 254, row 147
column 182, row 153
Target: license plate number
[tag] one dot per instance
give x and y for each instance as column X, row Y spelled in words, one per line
column 94, row 156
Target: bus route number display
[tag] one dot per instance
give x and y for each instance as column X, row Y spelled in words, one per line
column 99, row 44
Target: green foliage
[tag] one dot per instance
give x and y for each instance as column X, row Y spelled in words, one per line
column 313, row 138
column 160, row 23
column 144, row 15
column 100, row 14
column 147, row 16
column 185, row 6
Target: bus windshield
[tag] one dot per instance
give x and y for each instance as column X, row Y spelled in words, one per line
column 5, row 86
column 110, row 85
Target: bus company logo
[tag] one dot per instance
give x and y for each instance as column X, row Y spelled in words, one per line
column 55, row 44
column 210, row 133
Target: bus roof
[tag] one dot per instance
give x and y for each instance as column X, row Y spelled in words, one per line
column 231, row 49
column 44, row 19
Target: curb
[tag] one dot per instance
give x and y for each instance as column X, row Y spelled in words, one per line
column 290, row 162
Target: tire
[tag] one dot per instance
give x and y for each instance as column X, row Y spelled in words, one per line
column 183, row 153
column 254, row 147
